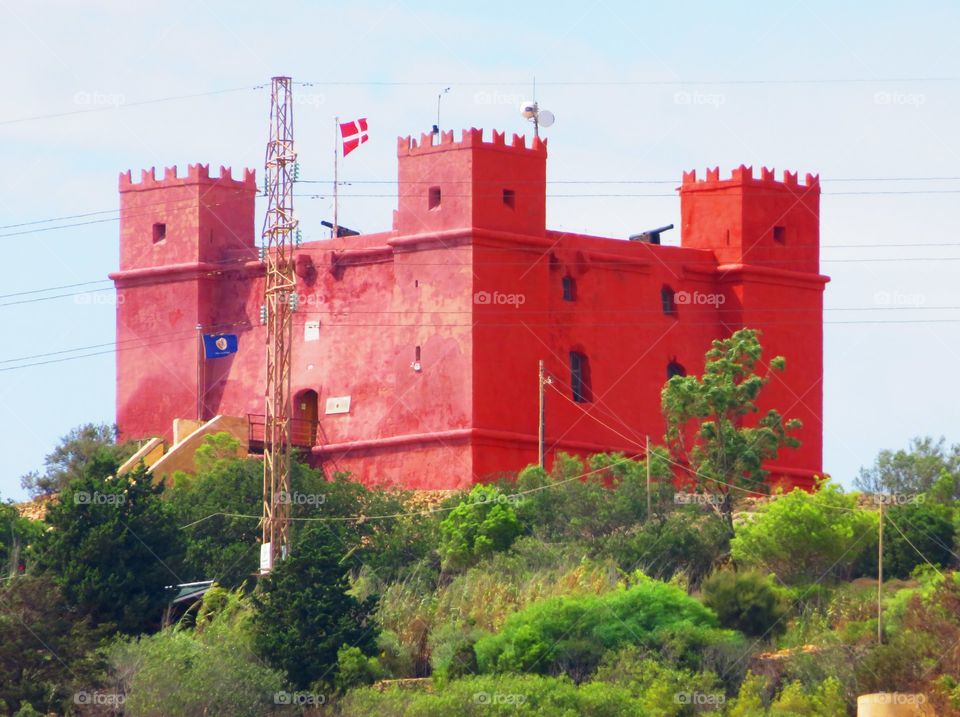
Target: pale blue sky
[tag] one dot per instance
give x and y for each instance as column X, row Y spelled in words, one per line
column 885, row 381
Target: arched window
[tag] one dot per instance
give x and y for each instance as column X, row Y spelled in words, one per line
column 580, row 377
column 668, row 301
column 569, row 288
column 675, row 369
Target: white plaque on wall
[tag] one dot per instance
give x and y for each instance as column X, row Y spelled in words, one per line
column 311, row 331
column 338, row 404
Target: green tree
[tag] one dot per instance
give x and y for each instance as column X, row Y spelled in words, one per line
column 747, row 601
column 112, row 547
column 73, row 455
column 219, row 545
column 915, row 531
column 806, row 537
column 484, row 523
column 305, row 614
column 46, row 647
column 714, row 425
column 911, row 471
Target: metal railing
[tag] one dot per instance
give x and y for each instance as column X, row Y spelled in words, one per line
column 303, row 433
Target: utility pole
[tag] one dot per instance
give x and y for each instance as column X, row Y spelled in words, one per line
column 279, row 305
column 649, row 511
column 880, row 578
column 543, row 380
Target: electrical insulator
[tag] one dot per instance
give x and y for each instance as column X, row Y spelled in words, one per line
column 263, row 314
column 263, row 253
column 296, row 171
column 294, row 301
column 298, row 237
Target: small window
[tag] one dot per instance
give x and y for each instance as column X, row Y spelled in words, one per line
column 510, row 198
column 433, row 198
column 780, row 235
column 579, row 377
column 668, row 301
column 417, row 354
column 569, row 288
column 675, row 369
column 159, row 232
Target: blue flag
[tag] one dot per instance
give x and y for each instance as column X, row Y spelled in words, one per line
column 219, row 345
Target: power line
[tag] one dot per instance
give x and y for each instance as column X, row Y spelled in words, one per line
column 190, row 333
column 627, row 83
column 549, row 182
column 123, row 104
column 52, row 288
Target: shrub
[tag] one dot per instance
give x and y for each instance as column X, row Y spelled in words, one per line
column 482, row 524
column 211, row 669
column 497, row 696
column 747, row 601
column 806, row 537
column 685, row 542
column 354, row 668
column 570, row 634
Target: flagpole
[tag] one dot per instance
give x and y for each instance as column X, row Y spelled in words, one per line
column 199, row 372
column 336, row 128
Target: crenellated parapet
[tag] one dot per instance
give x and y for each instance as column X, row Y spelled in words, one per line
column 743, row 175
column 470, row 138
column 196, row 174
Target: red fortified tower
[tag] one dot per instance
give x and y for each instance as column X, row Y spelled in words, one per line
column 416, row 350
column 766, row 237
column 187, row 257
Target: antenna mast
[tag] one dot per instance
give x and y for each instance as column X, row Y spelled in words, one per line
column 278, row 307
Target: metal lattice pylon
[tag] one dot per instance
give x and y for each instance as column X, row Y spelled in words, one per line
column 279, row 304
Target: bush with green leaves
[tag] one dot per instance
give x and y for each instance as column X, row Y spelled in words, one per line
column 571, row 634
column 511, row 695
column 748, row 601
column 355, row 668
column 574, row 503
column 484, row 523
column 17, row 534
column 806, row 537
column 792, row 700
column 686, row 541
column 207, row 669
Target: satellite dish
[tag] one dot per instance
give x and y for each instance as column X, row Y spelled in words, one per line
column 530, row 110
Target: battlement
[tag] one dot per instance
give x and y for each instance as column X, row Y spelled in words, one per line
column 196, row 174
column 473, row 137
column 743, row 175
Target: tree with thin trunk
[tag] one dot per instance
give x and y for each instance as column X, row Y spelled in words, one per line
column 715, row 430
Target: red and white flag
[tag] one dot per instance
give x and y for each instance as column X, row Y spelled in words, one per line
column 354, row 134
